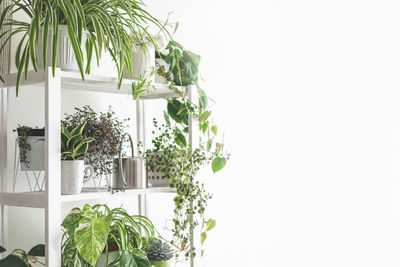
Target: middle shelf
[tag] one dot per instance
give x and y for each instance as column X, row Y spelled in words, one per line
column 38, row 199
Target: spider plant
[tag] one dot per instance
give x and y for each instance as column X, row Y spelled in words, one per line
column 88, row 232
column 112, row 25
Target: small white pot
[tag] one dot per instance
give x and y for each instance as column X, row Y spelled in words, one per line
column 72, row 172
column 158, row 78
column 65, row 53
column 34, row 156
column 143, row 63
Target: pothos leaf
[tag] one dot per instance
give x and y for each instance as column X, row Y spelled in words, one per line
column 180, row 139
column 218, row 164
column 214, row 129
column 210, row 224
column 203, row 237
column 127, row 259
column 38, row 251
column 91, row 238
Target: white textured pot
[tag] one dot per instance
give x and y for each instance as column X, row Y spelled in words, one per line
column 155, row 177
column 72, row 172
column 158, row 78
column 143, row 63
column 34, row 156
column 65, row 53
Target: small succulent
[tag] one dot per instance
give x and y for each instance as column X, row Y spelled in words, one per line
column 74, row 145
column 159, row 251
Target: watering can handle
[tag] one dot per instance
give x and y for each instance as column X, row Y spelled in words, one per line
column 120, row 156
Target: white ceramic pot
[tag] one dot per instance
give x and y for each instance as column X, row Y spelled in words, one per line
column 143, row 63
column 158, row 78
column 34, row 156
column 65, row 53
column 72, row 172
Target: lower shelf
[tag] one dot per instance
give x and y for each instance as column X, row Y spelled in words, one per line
column 38, row 199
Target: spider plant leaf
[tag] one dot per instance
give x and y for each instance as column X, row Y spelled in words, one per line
column 77, row 50
column 55, row 41
column 45, row 38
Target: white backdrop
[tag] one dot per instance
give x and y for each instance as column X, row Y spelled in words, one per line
column 307, row 92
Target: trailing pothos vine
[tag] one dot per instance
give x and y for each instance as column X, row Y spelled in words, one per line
column 179, row 160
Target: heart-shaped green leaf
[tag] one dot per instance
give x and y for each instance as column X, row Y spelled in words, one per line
column 218, row 164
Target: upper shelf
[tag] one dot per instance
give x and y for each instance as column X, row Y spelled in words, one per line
column 94, row 83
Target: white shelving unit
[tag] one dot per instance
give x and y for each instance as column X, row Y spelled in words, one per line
column 51, row 199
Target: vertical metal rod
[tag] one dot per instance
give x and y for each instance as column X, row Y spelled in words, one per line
column 140, row 130
column 53, row 167
column 3, row 162
column 193, row 141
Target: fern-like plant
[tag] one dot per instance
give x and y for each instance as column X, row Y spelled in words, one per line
column 74, row 145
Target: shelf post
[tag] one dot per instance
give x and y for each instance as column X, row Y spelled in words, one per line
column 53, row 167
column 3, row 162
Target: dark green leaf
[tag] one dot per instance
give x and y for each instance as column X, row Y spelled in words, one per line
column 38, row 251
column 13, row 261
column 127, row 259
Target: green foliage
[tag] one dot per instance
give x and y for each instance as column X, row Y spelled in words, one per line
column 24, row 146
column 19, row 258
column 140, row 87
column 106, row 129
column 181, row 164
column 113, row 26
column 159, row 251
column 183, row 65
column 218, row 164
column 88, row 232
column 74, row 144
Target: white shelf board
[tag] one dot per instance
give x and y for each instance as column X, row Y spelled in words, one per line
column 28, row 199
column 105, row 195
column 94, row 83
column 37, row 199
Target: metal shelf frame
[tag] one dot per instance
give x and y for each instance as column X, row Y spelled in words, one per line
column 51, row 199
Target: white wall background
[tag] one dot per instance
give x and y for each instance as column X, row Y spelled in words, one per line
column 308, row 94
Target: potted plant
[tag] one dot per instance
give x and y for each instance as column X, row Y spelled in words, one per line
column 159, row 253
column 143, row 60
column 31, row 148
column 180, row 162
column 106, row 129
column 88, row 232
column 19, row 257
column 183, row 65
column 74, row 147
column 82, row 27
column 161, row 159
